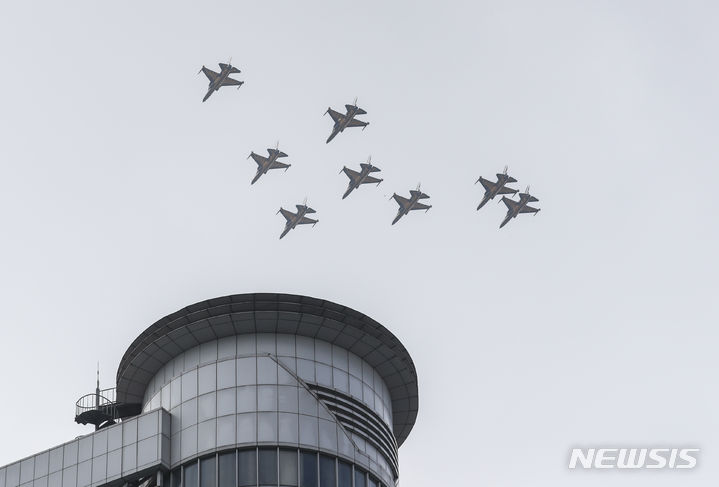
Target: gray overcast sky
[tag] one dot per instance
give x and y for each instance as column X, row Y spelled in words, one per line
column 124, row 198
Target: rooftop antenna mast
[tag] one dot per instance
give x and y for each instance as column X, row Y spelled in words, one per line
column 97, row 387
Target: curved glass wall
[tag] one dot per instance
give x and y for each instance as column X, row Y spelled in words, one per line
column 270, row 467
column 276, row 389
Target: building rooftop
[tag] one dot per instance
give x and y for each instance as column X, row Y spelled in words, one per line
column 274, row 313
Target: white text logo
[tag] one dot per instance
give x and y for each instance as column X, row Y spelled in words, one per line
column 670, row 458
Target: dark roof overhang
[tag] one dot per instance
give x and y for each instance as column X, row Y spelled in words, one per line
column 274, row 313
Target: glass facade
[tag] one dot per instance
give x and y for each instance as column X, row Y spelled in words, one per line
column 270, row 467
column 276, row 389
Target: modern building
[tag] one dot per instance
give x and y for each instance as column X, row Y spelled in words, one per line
column 245, row 390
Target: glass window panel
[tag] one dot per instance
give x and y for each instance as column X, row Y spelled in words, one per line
column 323, row 352
column 226, row 470
column 327, row 471
column 206, row 407
column 324, row 375
column 246, row 399
column 226, row 374
column 305, row 347
column 226, row 347
column 287, row 399
column 360, row 478
column 344, row 474
column 306, row 370
column 207, row 379
column 308, row 469
column 266, row 371
column 266, row 343
column 246, row 345
column 207, row 472
column 190, row 475
column 189, row 385
column 267, row 427
column 246, row 468
column 286, row 345
column 372, row 482
column 246, row 371
column 268, row 467
column 176, row 478
column 267, row 398
column 339, row 358
column 340, row 379
column 226, row 402
column 288, row 468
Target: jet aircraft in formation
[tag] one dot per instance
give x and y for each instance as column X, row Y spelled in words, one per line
column 299, row 218
column 264, row 164
column 346, row 120
column 493, row 189
column 218, row 80
column 514, row 208
column 361, row 177
column 408, row 204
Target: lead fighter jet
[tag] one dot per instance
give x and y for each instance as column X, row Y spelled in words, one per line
column 514, row 208
column 493, row 189
column 346, row 120
column 264, row 164
column 362, row 177
column 217, row 80
column 408, row 204
column 299, row 218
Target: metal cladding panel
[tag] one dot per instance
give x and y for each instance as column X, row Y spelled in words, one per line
column 99, row 461
column 274, row 313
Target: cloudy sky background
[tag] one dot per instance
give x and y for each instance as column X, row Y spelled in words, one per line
column 124, row 198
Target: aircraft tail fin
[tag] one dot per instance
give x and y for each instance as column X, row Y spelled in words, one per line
column 369, row 167
column 231, row 67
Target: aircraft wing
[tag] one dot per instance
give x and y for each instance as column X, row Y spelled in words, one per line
column 401, row 201
column 370, row 179
column 336, row 116
column 506, row 190
column 353, row 175
column 511, row 204
column 287, row 214
column 231, row 82
column 260, row 160
column 279, row 165
column 529, row 209
column 357, row 123
column 420, row 206
column 306, row 221
column 488, row 185
column 211, row 75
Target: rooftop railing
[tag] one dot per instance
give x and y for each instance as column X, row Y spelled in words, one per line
column 104, row 400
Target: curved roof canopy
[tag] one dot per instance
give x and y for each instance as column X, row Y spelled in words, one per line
column 274, row 313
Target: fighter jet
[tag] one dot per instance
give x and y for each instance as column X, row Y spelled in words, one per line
column 346, row 120
column 264, row 164
column 220, row 79
column 362, row 177
column 514, row 208
column 493, row 189
column 411, row 203
column 299, row 218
